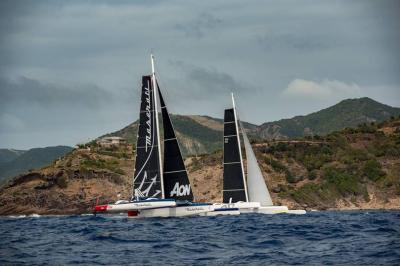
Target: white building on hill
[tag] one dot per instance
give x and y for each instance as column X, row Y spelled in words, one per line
column 111, row 142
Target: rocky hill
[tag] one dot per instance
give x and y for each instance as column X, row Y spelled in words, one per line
column 71, row 183
column 203, row 134
column 353, row 168
column 347, row 113
column 7, row 155
column 14, row 162
column 196, row 134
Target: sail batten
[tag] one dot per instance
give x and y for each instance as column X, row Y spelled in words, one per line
column 233, row 185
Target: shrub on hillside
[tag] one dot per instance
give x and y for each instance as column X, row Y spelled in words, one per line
column 393, row 151
column 312, row 175
column 309, row 194
column 326, row 149
column 61, row 181
column 373, row 170
column 388, row 147
column 116, row 179
column 345, row 183
column 118, row 171
column 111, row 165
column 366, row 128
column 276, row 165
column 312, row 162
column 281, row 146
column 337, row 139
column 290, row 178
column 350, row 156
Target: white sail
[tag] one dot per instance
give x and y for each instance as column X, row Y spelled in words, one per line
column 257, row 189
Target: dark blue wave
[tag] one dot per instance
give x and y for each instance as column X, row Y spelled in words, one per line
column 317, row 238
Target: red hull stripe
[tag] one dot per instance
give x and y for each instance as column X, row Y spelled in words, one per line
column 133, row 213
column 100, row 208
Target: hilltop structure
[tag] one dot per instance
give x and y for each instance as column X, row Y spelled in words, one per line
column 108, row 142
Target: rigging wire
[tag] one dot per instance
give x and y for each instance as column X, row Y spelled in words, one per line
column 161, row 84
column 166, row 94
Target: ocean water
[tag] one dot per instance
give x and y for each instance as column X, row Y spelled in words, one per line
column 340, row 238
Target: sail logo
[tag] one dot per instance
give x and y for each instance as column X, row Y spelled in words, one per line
column 180, row 190
column 148, row 115
column 146, row 191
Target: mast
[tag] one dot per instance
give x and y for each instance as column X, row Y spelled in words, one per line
column 240, row 147
column 153, row 75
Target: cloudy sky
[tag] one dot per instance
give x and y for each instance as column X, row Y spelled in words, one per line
column 71, row 70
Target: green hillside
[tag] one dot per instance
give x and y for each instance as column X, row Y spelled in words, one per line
column 194, row 137
column 352, row 168
column 203, row 134
column 31, row 159
column 347, row 113
column 7, row 155
column 351, row 165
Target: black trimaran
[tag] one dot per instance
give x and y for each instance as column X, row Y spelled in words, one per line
column 247, row 193
column 159, row 190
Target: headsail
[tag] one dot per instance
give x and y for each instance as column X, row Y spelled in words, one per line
column 147, row 166
column 176, row 181
column 234, row 187
column 256, row 186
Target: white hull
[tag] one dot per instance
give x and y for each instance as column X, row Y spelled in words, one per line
column 246, row 205
column 222, row 211
column 266, row 210
column 273, row 210
column 178, row 211
column 237, row 205
column 138, row 205
column 255, row 207
column 296, row 212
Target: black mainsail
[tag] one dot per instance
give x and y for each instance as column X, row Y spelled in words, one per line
column 147, row 180
column 234, row 187
column 176, row 181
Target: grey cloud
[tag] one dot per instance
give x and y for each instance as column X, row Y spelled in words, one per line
column 255, row 47
column 204, row 81
column 31, row 91
column 291, row 41
column 35, row 113
column 198, row 27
